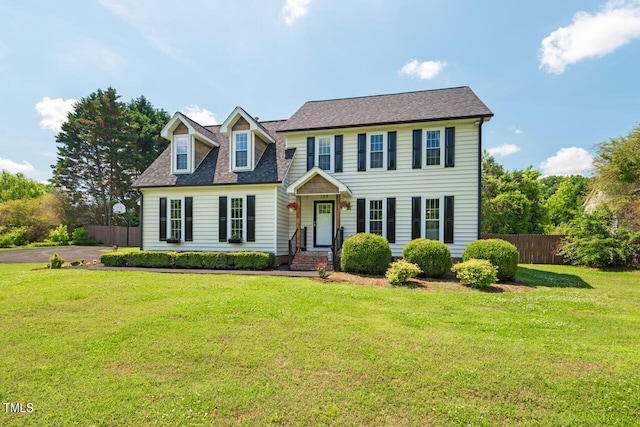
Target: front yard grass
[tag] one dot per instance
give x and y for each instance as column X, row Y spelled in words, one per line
column 89, row 347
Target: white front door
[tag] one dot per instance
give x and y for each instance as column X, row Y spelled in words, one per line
column 323, row 220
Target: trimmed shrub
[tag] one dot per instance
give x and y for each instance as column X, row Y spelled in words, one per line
column 365, row 253
column 114, row 260
column 60, row 235
column 401, row 270
column 189, row 260
column 208, row 260
column 498, row 252
column 56, row 261
column 432, row 256
column 477, row 273
column 16, row 237
column 253, row 260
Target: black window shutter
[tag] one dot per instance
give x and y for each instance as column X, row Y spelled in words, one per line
column 391, row 151
column 362, row 152
column 337, row 141
column 311, row 156
column 417, row 148
column 391, row 219
column 449, row 147
column 251, row 218
column 188, row 219
column 416, row 227
column 448, row 219
column 360, row 213
column 163, row 218
column 222, row 219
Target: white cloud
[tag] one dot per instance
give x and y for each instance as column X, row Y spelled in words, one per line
column 425, row 70
column 591, row 36
column 294, row 9
column 568, row 161
column 201, row 115
column 13, row 167
column 54, row 112
column 516, row 130
column 503, row 150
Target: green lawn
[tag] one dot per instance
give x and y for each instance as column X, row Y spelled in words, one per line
column 127, row 348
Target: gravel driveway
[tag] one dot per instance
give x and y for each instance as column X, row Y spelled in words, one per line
column 36, row 255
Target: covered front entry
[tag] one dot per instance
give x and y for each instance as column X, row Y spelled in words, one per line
column 321, row 191
column 323, row 223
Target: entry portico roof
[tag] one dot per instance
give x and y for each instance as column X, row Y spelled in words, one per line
column 323, row 176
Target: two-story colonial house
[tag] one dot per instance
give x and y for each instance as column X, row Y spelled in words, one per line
column 403, row 166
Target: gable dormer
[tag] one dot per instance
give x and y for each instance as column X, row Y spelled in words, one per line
column 248, row 140
column 190, row 143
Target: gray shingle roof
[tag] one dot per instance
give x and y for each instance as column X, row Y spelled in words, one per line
column 427, row 105
column 214, row 168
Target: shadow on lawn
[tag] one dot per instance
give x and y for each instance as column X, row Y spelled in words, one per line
column 549, row 279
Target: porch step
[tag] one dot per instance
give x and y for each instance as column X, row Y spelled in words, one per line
column 309, row 260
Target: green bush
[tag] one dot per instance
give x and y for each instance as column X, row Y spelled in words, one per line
column 365, row 253
column 114, row 260
column 208, row 260
column 597, row 240
column 432, row 256
column 477, row 273
column 81, row 237
column 189, row 260
column 401, row 270
column 60, row 235
column 56, row 261
column 16, row 237
column 498, row 252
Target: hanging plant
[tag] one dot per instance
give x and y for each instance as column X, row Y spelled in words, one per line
column 292, row 206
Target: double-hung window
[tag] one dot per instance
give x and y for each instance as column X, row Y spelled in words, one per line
column 237, row 218
column 375, row 217
column 324, row 153
column 181, row 150
column 432, row 219
column 175, row 219
column 433, row 145
column 376, row 151
column 241, row 150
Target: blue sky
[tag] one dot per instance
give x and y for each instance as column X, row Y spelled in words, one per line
column 559, row 76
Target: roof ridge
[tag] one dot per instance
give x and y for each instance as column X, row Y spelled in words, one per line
column 389, row 94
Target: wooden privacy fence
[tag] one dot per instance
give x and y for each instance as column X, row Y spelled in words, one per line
column 533, row 248
column 111, row 235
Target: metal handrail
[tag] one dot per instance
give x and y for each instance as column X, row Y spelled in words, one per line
column 336, row 248
column 292, row 242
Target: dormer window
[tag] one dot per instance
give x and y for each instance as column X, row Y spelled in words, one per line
column 182, row 153
column 241, row 150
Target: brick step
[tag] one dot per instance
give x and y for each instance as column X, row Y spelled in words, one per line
column 308, row 261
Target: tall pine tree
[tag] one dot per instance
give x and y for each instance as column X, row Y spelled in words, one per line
column 102, row 148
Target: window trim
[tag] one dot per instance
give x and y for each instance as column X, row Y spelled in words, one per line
column 332, row 157
column 250, row 150
column 230, row 198
column 383, row 167
column 383, row 206
column 170, row 220
column 423, row 215
column 174, row 153
column 442, row 147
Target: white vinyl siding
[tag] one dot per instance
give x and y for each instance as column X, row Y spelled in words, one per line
column 206, row 216
column 405, row 182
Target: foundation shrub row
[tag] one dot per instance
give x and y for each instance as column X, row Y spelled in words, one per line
column 247, row 260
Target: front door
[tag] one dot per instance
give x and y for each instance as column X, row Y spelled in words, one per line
column 323, row 223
